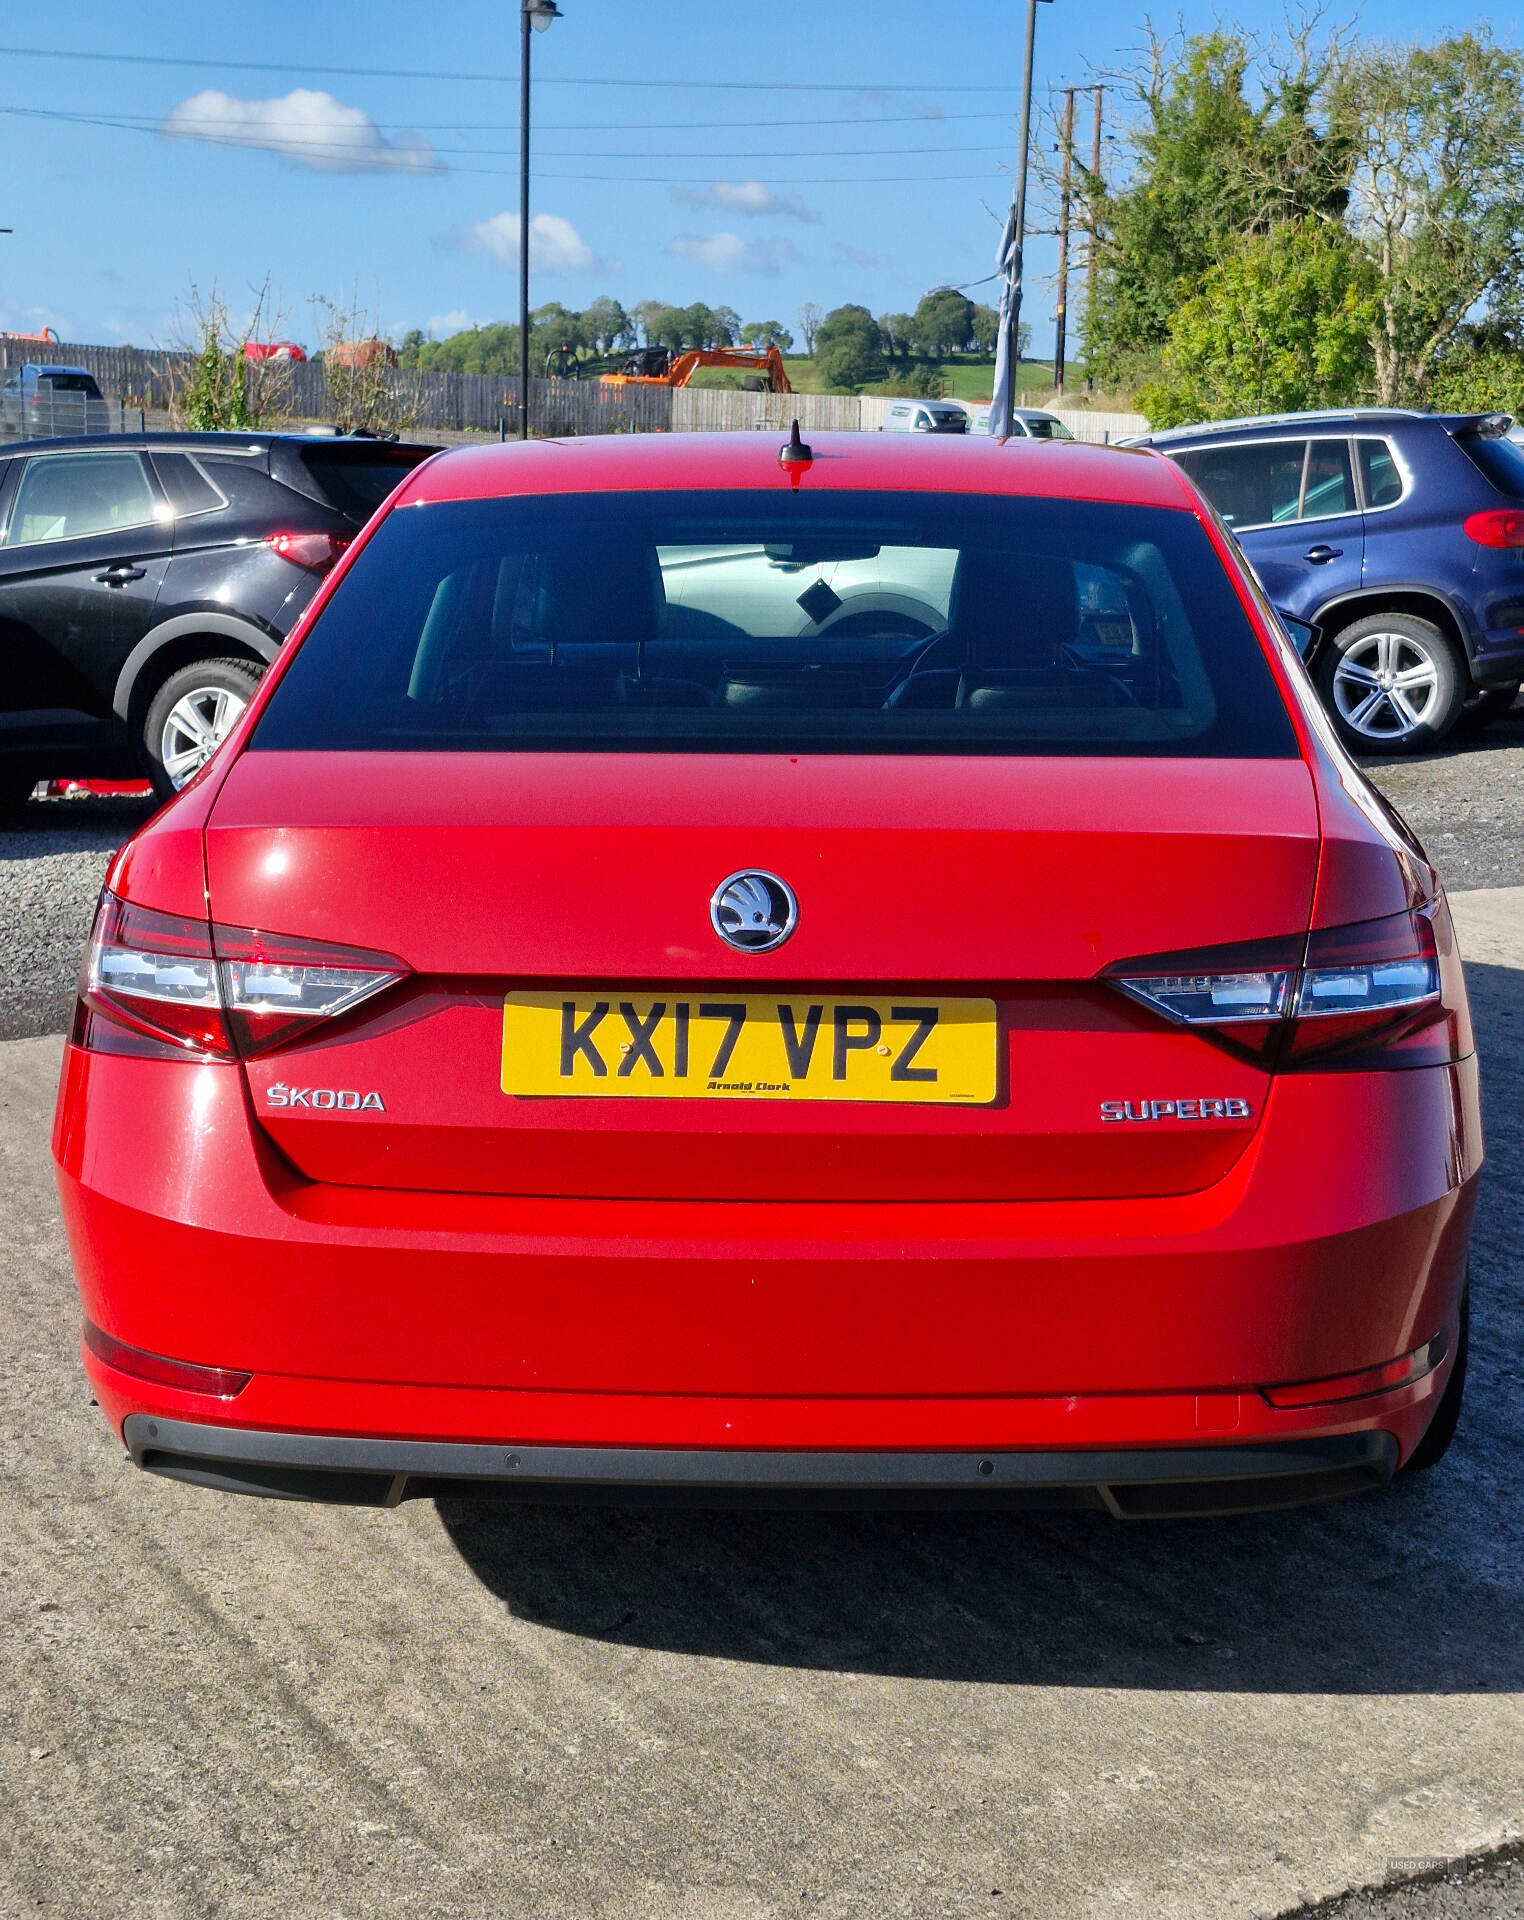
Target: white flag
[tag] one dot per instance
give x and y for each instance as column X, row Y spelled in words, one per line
column 1005, row 370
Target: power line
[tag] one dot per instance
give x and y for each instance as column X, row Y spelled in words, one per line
column 284, row 67
column 564, row 126
column 346, row 149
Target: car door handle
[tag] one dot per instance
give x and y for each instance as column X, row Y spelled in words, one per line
column 119, row 575
column 1321, row 555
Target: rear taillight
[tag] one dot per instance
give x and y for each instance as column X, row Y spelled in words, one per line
column 150, row 986
column 1496, row 527
column 275, row 989
column 1384, row 992
column 157, row 984
column 315, row 551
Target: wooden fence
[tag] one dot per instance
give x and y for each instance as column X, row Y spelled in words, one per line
column 437, row 401
column 728, row 410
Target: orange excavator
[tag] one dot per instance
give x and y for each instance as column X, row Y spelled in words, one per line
column 660, row 367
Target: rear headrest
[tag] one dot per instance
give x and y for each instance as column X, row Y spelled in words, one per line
column 1013, row 610
column 612, row 594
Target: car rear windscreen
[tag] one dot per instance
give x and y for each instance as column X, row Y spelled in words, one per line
column 357, row 479
column 70, row 383
column 1501, row 461
column 800, row 622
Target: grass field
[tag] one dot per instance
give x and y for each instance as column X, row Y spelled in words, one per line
column 965, row 377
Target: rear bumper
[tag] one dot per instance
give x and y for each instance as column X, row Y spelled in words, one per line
column 1497, row 658
column 1140, row 1484
column 1028, row 1332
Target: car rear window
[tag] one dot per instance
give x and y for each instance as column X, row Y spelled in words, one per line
column 790, row 622
column 186, row 485
column 69, row 383
column 357, row 479
column 1500, row 461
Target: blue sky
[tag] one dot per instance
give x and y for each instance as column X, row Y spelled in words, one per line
column 857, row 164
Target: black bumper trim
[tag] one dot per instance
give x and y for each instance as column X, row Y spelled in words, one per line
column 1130, row 1484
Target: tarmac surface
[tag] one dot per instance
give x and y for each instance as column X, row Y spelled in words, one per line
column 221, row 1706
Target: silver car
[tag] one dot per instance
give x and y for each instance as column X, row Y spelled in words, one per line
column 51, row 402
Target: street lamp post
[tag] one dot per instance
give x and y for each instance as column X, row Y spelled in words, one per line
column 537, row 14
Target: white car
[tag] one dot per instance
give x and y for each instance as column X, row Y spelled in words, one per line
column 925, row 416
column 1027, row 423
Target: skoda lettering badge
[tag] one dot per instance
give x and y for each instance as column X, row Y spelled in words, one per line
column 753, row 911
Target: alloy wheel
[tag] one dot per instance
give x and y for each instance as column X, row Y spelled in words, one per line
column 1386, row 686
column 196, row 726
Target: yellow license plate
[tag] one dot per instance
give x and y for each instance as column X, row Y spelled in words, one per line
column 717, row 1045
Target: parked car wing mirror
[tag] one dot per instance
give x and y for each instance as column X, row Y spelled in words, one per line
column 1298, row 632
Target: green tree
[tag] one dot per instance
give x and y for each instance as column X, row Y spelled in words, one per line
column 1282, row 323
column 1439, row 195
column 668, row 326
column 1226, row 142
column 913, row 381
column 493, row 349
column 942, row 323
column 605, row 325
column 1479, row 374
column 897, row 330
column 224, row 390
column 767, row 333
column 643, row 315
column 700, row 325
column 984, row 328
column 849, row 350
column 810, row 317
column 724, row 327
column 412, row 344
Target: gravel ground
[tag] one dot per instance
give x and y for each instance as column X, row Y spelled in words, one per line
column 1488, row 1888
column 1466, row 804
column 51, row 868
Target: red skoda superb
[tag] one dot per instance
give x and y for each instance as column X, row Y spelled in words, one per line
column 852, row 971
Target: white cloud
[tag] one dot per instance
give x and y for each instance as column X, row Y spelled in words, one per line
column 554, row 243
column 729, row 253
column 744, row 196
column 309, row 127
column 439, row 326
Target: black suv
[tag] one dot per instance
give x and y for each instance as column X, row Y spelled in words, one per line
column 1399, row 538
column 147, row 580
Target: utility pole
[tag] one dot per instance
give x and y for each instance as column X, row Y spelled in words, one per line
column 1061, row 305
column 1090, row 262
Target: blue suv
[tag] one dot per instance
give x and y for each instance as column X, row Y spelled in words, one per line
column 1399, row 539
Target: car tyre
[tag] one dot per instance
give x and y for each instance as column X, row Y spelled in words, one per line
column 190, row 716
column 1482, row 709
column 1392, row 683
column 1436, row 1442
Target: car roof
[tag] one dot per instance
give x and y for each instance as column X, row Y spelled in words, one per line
column 40, row 368
column 1328, row 416
column 955, row 463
